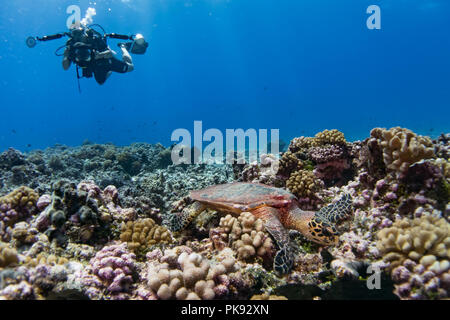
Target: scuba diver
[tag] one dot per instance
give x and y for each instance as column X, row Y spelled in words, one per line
column 88, row 49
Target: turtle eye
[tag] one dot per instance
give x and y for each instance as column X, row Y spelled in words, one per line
column 326, row 232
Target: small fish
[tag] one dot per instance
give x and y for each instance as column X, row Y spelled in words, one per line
column 29, row 145
column 14, row 131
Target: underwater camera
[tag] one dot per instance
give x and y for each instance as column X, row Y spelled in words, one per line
column 31, row 42
column 138, row 46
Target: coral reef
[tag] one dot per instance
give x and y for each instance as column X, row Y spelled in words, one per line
column 87, row 222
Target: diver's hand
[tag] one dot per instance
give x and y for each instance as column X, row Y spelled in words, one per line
column 107, row 54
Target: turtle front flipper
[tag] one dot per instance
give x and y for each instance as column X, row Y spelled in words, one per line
column 284, row 258
column 338, row 211
column 180, row 220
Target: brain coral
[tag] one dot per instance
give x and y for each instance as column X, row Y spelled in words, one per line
column 416, row 239
column 402, row 147
column 141, row 234
column 303, row 184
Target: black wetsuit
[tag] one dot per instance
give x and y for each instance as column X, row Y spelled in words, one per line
column 95, row 42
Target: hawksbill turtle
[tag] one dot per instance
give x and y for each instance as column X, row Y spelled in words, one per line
column 278, row 209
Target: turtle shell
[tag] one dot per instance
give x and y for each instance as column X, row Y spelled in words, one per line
column 240, row 196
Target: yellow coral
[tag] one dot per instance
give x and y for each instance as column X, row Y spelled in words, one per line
column 402, row 147
column 421, row 240
column 8, row 256
column 289, row 162
column 303, row 183
column 144, row 233
column 302, row 144
column 330, row 137
column 22, row 198
column 266, row 296
column 47, row 259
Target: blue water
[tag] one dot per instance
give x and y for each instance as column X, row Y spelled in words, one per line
column 299, row 66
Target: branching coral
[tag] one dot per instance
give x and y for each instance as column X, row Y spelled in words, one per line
column 415, row 239
column 47, row 259
column 18, row 204
column 402, row 147
column 181, row 275
column 246, row 235
column 112, row 269
column 427, row 279
column 143, row 234
column 289, row 162
column 302, row 144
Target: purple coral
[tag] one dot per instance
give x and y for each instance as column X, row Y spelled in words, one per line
column 331, row 161
column 112, row 268
column 327, row 154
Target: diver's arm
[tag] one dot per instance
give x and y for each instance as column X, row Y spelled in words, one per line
column 107, row 54
column 126, row 57
column 52, row 37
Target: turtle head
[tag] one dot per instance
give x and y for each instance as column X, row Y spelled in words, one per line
column 322, row 232
column 313, row 226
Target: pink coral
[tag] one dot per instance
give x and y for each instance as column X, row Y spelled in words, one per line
column 112, row 268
